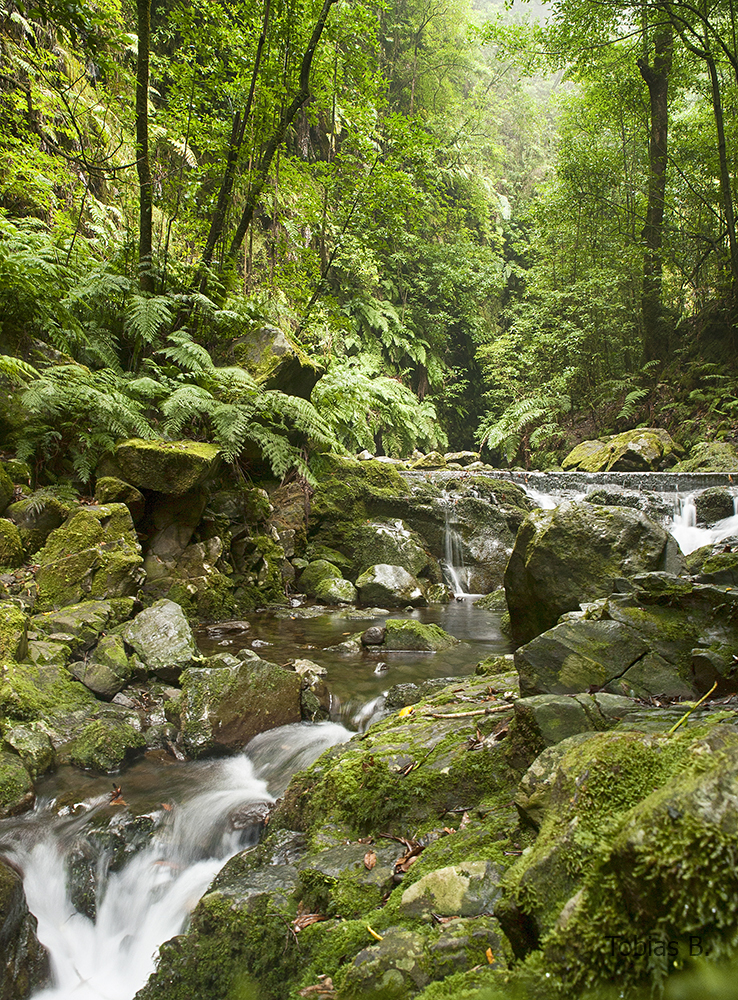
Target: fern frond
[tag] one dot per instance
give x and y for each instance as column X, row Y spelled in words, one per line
column 183, row 351
column 146, row 315
column 16, row 370
column 630, row 404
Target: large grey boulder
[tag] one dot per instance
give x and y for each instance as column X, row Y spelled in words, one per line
column 162, row 639
column 573, row 554
column 390, row 542
column 224, row 706
column 644, row 449
column 165, row 466
column 390, row 586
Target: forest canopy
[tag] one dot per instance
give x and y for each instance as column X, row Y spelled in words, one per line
column 472, row 225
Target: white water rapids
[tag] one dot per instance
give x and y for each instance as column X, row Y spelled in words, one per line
column 149, row 900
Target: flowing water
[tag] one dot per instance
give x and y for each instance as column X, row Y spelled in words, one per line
column 195, row 811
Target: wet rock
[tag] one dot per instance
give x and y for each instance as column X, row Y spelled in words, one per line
column 714, row 504
column 389, row 585
column 719, row 564
column 223, row 708
column 574, row 553
column 464, row 890
column 163, row 640
column 408, row 634
column 94, row 554
column 11, row 546
column 438, row 593
column 227, row 630
column 396, row 964
column 276, row 361
column 642, row 450
column 166, row 466
column 462, row 457
column 16, row 788
column 25, row 966
column 552, row 718
column 251, row 815
column 373, row 636
column 108, row 489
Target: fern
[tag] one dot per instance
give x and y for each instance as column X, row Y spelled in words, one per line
column 507, row 433
column 630, row 404
column 183, row 351
column 16, row 370
column 145, row 317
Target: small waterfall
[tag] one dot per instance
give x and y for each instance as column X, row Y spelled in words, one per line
column 149, row 900
column 689, row 536
column 453, row 558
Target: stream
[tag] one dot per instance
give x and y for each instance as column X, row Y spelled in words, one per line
column 182, row 821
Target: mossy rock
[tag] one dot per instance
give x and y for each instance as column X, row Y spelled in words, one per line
column 409, row 634
column 276, row 361
column 336, row 591
column 390, row 542
column 107, row 670
column 315, row 573
column 104, row 745
column 19, row 472
column 11, row 545
column 108, row 489
column 32, row 692
column 37, row 515
column 162, row 638
column 83, row 623
column 16, row 788
column 94, row 554
column 641, row 450
column 649, row 881
column 391, row 587
column 6, row 489
column 496, row 601
column 166, row 466
column 710, row 456
column 572, row 554
column 33, row 746
column 13, row 632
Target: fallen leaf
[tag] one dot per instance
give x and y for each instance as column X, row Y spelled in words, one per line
column 305, row 919
column 165, row 805
column 377, row 937
column 404, row 712
column 370, row 860
column 490, row 956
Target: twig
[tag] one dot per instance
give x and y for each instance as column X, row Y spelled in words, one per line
column 490, row 710
column 687, row 714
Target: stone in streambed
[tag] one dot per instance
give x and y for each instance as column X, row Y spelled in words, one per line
column 316, row 573
column 641, row 450
column 391, row 586
column 107, row 671
column 391, row 543
column 714, row 504
column 223, row 707
column 162, row 638
column 408, row 634
column 83, row 623
column 16, row 788
column 103, row 745
column 335, row 591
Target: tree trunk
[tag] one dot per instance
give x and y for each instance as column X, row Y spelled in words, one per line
column 725, row 188
column 285, row 120
column 657, row 80
column 143, row 165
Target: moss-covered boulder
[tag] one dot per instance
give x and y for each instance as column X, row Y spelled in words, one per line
column 36, row 516
column 80, row 625
column 336, row 591
column 95, row 554
column 433, row 460
column 166, row 466
column 573, row 554
column 11, row 545
column 25, row 964
column 390, row 587
column 276, row 361
column 108, row 669
column 408, row 634
column 645, row 449
column 650, row 881
column 710, row 456
column 464, row 890
column 109, row 489
column 551, row 719
column 33, row 746
column 13, row 632
column 225, row 705
column 16, row 788
column 714, row 504
column 315, row 573
column 390, row 542
column 103, row 745
column 162, row 639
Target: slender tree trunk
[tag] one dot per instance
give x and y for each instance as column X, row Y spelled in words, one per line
column 238, row 129
column 143, row 165
column 657, row 80
column 725, row 188
column 285, row 120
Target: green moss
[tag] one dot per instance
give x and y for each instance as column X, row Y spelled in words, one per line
column 16, row 788
column 408, row 633
column 11, row 545
column 13, row 631
column 30, row 692
column 103, row 746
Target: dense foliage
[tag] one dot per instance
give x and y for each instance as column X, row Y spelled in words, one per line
column 474, row 225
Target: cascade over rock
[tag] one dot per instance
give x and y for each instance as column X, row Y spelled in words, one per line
column 25, row 962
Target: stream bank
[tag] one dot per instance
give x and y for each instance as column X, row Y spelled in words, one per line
column 482, row 818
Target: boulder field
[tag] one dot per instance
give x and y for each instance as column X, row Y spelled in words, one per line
column 564, row 818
